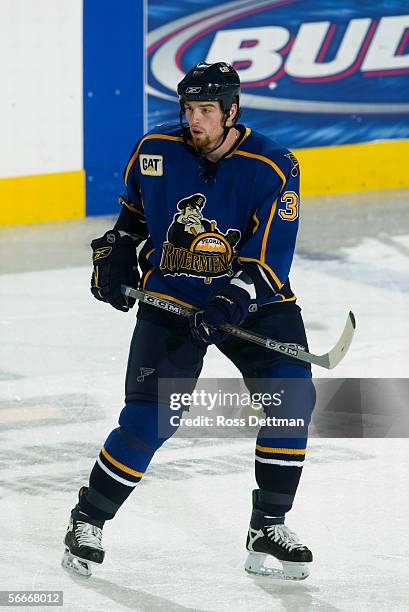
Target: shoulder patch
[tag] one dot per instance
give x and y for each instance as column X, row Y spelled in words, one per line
column 295, row 165
column 151, row 165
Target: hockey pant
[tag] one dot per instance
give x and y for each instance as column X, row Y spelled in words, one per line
column 162, row 348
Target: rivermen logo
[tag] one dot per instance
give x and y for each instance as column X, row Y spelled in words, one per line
column 195, row 246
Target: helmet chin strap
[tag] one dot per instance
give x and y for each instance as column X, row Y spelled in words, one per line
column 226, row 131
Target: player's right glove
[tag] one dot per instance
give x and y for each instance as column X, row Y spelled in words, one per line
column 115, row 263
column 230, row 304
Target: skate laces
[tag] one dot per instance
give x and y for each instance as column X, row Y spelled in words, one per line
column 88, row 535
column 283, row 536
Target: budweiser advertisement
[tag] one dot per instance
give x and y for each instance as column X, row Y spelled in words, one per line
column 313, row 72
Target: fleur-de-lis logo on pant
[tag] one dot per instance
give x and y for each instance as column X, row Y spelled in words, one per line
column 144, row 372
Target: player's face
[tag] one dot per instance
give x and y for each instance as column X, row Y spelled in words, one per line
column 205, row 121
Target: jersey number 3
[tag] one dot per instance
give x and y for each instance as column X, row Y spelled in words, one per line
column 290, row 199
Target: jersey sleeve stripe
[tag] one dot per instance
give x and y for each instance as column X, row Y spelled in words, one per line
column 133, row 209
column 284, row 299
column 256, row 221
column 266, row 160
column 266, row 267
column 149, row 137
column 267, row 231
column 149, row 253
column 145, row 278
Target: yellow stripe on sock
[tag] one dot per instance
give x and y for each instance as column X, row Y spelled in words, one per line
column 283, row 451
column 120, row 466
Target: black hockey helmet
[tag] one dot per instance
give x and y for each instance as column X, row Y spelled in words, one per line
column 217, row 82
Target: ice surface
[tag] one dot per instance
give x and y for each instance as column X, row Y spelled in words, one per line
column 178, row 544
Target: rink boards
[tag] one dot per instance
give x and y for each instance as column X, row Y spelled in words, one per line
column 86, row 90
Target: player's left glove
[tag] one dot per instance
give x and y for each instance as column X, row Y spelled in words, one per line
column 115, row 264
column 230, row 304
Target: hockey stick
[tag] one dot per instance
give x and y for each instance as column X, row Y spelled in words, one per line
column 328, row 360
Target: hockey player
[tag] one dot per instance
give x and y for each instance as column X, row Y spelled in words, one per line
column 217, row 207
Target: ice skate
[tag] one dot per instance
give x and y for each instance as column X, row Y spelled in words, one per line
column 83, row 546
column 269, row 541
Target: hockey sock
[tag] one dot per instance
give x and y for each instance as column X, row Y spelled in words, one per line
column 124, row 458
column 280, row 449
column 278, row 471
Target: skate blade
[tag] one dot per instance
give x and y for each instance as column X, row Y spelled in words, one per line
column 82, row 567
column 255, row 565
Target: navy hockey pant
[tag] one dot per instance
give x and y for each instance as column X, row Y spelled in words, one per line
column 162, row 348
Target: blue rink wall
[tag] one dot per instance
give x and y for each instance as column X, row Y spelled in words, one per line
column 330, row 82
column 113, row 96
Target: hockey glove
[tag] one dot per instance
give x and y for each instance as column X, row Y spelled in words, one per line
column 115, row 264
column 228, row 305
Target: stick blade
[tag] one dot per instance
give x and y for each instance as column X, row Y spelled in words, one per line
column 336, row 354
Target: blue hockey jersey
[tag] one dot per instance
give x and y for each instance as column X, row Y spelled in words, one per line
column 203, row 221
